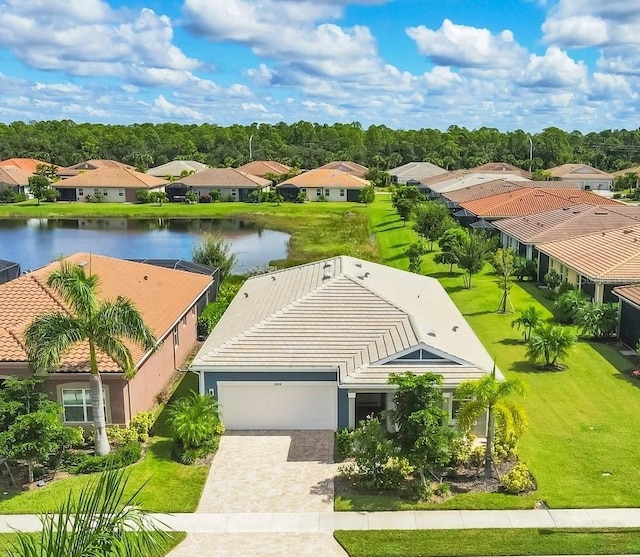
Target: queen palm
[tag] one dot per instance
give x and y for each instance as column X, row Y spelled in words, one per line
column 490, row 396
column 101, row 325
column 528, row 320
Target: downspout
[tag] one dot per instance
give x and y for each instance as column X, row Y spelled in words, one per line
column 129, row 400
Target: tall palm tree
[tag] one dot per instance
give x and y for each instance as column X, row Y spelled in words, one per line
column 99, row 521
column 488, row 395
column 103, row 325
column 528, row 320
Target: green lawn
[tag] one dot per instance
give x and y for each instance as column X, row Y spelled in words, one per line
column 582, row 420
column 171, row 487
column 454, row 543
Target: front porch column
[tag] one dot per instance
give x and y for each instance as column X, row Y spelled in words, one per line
column 352, row 410
column 599, row 293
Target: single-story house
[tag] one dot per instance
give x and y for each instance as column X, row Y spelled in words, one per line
column 596, row 263
column 632, row 170
column 322, row 183
column 628, row 314
column 588, row 177
column 312, row 347
column 90, row 165
column 413, row 172
column 233, row 184
column 501, row 168
column 8, row 270
column 264, row 168
column 11, row 177
column 168, row 301
column 29, row 166
column 437, row 186
column 116, row 185
column 348, row 167
column 523, row 233
column 176, row 169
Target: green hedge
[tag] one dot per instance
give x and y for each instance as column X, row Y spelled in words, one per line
column 119, row 458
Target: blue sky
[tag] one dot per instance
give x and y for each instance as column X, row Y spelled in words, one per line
column 507, row 64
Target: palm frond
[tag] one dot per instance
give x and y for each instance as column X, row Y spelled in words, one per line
column 122, row 319
column 75, row 287
column 118, row 352
column 469, row 413
column 49, row 336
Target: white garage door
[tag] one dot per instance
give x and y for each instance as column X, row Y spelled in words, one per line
column 278, row 405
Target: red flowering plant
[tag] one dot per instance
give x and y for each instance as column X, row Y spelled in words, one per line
column 636, row 373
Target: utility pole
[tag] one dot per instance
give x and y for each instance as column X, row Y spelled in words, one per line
column 530, row 152
column 250, row 150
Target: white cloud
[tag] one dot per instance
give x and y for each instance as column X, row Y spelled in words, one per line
column 554, row 69
column 467, row 47
column 169, row 110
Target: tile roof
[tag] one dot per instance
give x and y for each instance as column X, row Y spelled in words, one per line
column 494, row 187
column 505, row 167
column 325, row 178
column 349, row 167
column 26, row 297
column 607, row 256
column 342, row 312
column 578, row 172
column 26, row 165
column 632, row 170
column 416, row 171
column 223, row 177
column 464, row 178
column 568, row 222
column 175, row 168
column 112, row 178
column 91, row 164
column 13, row 176
column 260, row 168
column 528, row 201
column 630, row 292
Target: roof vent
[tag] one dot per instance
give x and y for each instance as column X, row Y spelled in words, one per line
column 327, row 265
column 366, row 275
column 246, row 294
column 627, row 231
column 326, row 276
column 358, row 264
column 273, row 278
column 455, row 328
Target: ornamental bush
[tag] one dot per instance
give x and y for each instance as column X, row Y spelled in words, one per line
column 119, row 458
column 518, row 480
column 142, row 423
column 119, row 435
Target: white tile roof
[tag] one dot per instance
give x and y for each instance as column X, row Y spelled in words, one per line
column 342, row 312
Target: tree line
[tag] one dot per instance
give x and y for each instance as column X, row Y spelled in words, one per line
column 308, row 145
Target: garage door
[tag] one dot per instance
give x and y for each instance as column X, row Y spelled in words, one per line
column 278, row 405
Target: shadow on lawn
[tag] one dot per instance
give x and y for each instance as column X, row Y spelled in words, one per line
column 623, row 364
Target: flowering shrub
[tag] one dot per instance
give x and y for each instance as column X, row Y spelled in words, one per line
column 518, row 480
column 636, row 373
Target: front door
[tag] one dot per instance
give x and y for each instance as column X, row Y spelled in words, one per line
column 369, row 404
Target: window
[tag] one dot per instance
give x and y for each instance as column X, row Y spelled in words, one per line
column 96, row 191
column 184, row 320
column 80, row 191
column 452, row 406
column 341, row 193
column 76, row 405
column 121, row 192
column 326, row 193
column 303, row 190
column 105, row 192
column 318, row 192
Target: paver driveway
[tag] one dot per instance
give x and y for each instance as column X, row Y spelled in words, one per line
column 271, row 471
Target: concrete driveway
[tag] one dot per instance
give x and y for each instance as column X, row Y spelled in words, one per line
column 271, row 471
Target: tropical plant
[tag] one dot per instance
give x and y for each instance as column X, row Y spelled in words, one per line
column 472, row 253
column 525, row 268
column 490, row 396
column 367, row 194
column 158, row 197
column 568, row 306
column 100, row 521
column 447, row 243
column 431, row 219
column 528, row 320
column 38, row 186
column 415, row 251
column 215, row 251
column 597, row 320
column 548, row 344
column 552, row 280
column 102, row 325
column 504, row 263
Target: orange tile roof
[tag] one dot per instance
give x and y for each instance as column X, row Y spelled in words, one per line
column 91, row 165
column 486, row 189
column 528, row 201
column 13, row 176
column 223, row 177
column 568, row 222
column 260, row 168
column 26, row 165
column 117, row 177
column 25, row 298
column 348, row 167
column 608, row 256
column 325, row 178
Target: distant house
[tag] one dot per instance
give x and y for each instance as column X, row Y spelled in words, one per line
column 330, row 185
column 13, row 178
column 588, row 177
column 116, row 185
column 312, row 347
column 264, row 168
column 29, row 166
column 413, row 172
column 90, row 165
column 176, row 169
column 233, row 184
column 348, row 167
column 436, row 186
column 168, row 301
column 596, row 263
column 628, row 314
column 501, row 168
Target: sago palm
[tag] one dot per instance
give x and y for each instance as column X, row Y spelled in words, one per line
column 193, row 419
column 488, row 395
column 100, row 521
column 549, row 343
column 100, row 325
column 528, row 320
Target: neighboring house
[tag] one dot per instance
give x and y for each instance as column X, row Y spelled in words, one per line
column 523, row 233
column 529, row 201
column 629, row 314
column 233, row 184
column 312, row 347
column 13, row 178
column 413, row 172
column 588, row 177
column 437, row 186
column 29, row 166
column 348, row 167
column 115, row 185
column 8, row 270
column 596, row 263
column 175, row 169
column 168, row 301
column 632, row 170
column 501, row 168
column 264, row 168
column 90, row 165
column 322, row 183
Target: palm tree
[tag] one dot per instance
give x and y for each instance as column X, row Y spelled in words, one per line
column 99, row 521
column 488, row 395
column 529, row 319
column 102, row 325
column 549, row 343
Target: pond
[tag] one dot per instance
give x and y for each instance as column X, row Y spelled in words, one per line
column 36, row 242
